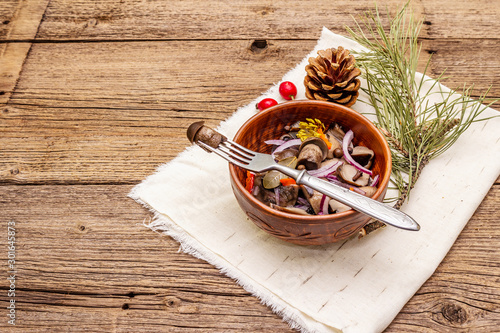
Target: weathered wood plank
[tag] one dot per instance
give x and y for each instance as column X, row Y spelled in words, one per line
column 195, row 20
column 21, row 18
column 456, row 58
column 203, row 75
column 461, row 19
column 88, row 263
column 142, row 102
column 137, row 19
column 21, row 23
column 84, row 260
column 200, row 75
column 7, row 11
column 113, row 112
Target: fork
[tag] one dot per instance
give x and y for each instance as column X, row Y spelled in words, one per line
column 258, row 162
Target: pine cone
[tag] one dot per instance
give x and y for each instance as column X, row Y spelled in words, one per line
column 331, row 76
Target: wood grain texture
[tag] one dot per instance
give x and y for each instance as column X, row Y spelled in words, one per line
column 19, row 21
column 94, row 95
column 89, row 262
column 139, row 19
column 7, row 11
column 80, row 104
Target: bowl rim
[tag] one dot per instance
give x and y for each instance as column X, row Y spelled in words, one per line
column 312, row 218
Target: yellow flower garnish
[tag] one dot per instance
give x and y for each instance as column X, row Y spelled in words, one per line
column 313, row 127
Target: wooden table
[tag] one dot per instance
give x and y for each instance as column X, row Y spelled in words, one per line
column 94, row 95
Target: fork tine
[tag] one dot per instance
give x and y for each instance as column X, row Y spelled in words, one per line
column 251, row 152
column 225, row 155
column 235, row 154
column 237, row 149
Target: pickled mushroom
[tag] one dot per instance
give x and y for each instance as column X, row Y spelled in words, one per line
column 199, row 132
column 281, row 196
column 290, row 209
column 287, row 153
column 335, row 136
column 352, row 176
column 288, row 195
column 362, row 155
column 314, row 199
column 337, row 206
column 335, row 132
column 369, row 190
column 312, row 152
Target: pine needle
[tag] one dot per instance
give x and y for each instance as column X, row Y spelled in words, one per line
column 416, row 129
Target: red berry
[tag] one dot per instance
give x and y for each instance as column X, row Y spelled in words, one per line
column 266, row 103
column 288, row 90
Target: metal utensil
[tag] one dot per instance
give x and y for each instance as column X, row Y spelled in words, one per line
column 258, row 162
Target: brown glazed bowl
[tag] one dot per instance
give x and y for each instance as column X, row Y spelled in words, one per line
column 307, row 229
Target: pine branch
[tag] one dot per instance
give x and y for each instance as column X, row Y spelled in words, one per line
column 414, row 177
column 416, row 129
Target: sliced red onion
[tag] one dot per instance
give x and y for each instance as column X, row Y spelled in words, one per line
column 275, row 142
column 302, row 201
column 332, row 177
column 375, row 180
column 345, row 145
column 303, row 207
column 324, row 204
column 357, row 190
column 277, row 195
column 325, row 171
column 287, row 144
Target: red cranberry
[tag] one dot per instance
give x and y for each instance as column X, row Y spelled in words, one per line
column 288, row 90
column 266, row 103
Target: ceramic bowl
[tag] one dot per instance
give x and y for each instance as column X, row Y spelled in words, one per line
column 307, row 229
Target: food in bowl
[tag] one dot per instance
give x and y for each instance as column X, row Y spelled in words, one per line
column 270, row 124
column 326, row 152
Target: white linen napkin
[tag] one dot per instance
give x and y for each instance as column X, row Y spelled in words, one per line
column 358, row 285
